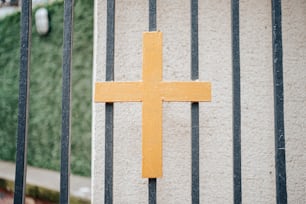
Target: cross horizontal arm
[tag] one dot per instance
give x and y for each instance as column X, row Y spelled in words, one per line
column 118, row 92
column 186, row 91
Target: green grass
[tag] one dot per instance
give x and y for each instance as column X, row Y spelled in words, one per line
column 46, row 87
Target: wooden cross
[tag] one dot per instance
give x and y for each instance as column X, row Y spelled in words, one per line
column 152, row 91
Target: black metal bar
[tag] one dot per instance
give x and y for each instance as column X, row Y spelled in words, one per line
column 152, row 15
column 280, row 156
column 152, row 27
column 66, row 102
column 109, row 108
column 23, row 103
column 110, row 40
column 236, row 103
column 195, row 183
column 195, row 153
column 194, row 41
column 108, row 191
column 152, row 190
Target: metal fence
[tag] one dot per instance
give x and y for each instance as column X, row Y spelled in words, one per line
column 25, row 48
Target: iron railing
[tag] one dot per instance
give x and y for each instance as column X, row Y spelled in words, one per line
column 25, row 48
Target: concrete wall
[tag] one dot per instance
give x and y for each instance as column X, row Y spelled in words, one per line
column 294, row 42
column 257, row 133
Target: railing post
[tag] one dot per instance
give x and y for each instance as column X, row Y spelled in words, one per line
column 23, row 102
column 109, row 107
column 66, row 102
column 280, row 151
column 236, row 103
column 195, row 132
column 152, row 182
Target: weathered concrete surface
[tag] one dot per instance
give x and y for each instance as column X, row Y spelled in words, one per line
column 216, row 185
column 173, row 20
column 294, row 44
column 257, row 115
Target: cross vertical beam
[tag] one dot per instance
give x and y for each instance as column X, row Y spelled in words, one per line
column 152, row 106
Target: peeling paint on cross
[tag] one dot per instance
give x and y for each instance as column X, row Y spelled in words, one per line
column 152, row 91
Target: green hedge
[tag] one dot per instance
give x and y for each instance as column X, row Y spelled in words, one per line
column 45, row 89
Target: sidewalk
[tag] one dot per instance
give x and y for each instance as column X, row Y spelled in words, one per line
column 44, row 184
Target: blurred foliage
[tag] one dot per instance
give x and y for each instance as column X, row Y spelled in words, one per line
column 46, row 87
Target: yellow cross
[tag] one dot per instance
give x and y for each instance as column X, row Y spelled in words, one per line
column 152, row 91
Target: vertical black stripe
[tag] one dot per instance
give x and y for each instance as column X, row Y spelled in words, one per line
column 152, row 190
column 195, row 183
column 109, row 107
column 110, row 40
column 152, row 27
column 66, row 102
column 236, row 103
column 195, row 153
column 152, row 15
column 280, row 157
column 194, row 41
column 21, row 154
column 108, row 190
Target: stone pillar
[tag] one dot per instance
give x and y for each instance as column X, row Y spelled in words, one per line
column 215, row 66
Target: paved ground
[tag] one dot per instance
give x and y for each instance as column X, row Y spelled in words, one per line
column 80, row 187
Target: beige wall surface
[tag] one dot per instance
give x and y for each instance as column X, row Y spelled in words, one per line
column 294, row 45
column 215, row 65
column 257, row 116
